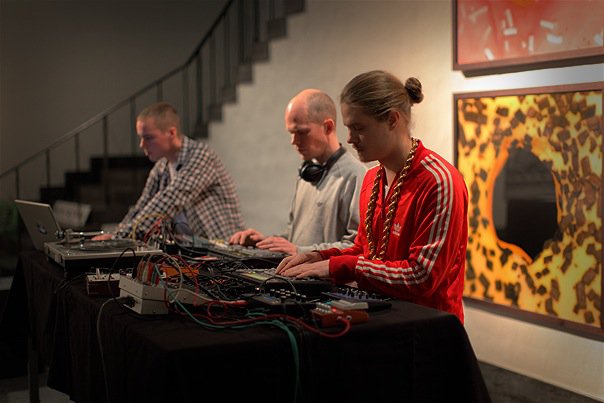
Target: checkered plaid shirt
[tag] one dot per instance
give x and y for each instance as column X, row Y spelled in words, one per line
column 203, row 190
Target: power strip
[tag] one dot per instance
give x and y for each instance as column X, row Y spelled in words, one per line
column 147, row 299
column 144, row 306
column 144, row 299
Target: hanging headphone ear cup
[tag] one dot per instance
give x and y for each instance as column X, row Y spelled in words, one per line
column 311, row 172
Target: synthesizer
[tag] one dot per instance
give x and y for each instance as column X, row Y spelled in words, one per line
column 266, row 280
column 244, row 252
column 251, row 256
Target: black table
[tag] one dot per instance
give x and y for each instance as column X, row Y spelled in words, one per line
column 408, row 353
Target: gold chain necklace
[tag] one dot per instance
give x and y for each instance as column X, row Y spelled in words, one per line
column 394, row 199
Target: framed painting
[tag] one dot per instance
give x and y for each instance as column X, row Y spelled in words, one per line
column 532, row 161
column 498, row 36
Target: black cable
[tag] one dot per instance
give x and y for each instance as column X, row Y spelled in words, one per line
column 66, row 282
column 281, row 278
column 113, row 268
column 99, row 341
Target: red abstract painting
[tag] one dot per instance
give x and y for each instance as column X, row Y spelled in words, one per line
column 491, row 31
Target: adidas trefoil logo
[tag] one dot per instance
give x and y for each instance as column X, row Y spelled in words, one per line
column 397, row 229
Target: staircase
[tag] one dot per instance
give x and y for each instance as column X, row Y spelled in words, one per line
column 108, row 171
column 109, row 192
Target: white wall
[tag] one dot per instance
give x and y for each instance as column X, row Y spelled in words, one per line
column 328, row 45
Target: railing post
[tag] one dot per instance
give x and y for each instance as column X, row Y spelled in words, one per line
column 106, row 158
column 76, row 142
column 133, row 125
column 227, row 50
column 256, row 21
column 200, row 103
column 242, row 36
column 271, row 10
column 185, row 100
column 160, row 91
column 47, row 167
column 212, row 75
column 77, row 151
column 17, row 187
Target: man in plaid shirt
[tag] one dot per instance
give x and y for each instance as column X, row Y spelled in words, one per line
column 188, row 183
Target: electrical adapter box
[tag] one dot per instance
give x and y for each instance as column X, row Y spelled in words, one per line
column 101, row 285
column 144, row 299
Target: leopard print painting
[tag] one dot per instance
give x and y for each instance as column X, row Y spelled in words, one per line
column 564, row 131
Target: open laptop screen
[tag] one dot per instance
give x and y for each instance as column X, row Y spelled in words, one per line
column 40, row 222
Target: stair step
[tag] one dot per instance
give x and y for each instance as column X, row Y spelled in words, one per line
column 51, row 194
column 126, row 175
column 229, row 94
column 201, row 130
column 245, row 73
column 116, row 193
column 81, row 177
column 120, row 161
column 260, row 52
column 294, row 6
column 133, row 177
column 107, row 214
column 215, row 112
column 277, row 28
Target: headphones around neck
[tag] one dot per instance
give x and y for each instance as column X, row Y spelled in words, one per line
column 313, row 172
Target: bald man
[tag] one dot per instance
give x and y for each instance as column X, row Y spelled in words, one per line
column 324, row 212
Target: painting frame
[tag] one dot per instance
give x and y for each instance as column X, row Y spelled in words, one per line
column 481, row 124
column 491, row 63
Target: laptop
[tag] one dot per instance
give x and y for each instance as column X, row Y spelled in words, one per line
column 40, row 222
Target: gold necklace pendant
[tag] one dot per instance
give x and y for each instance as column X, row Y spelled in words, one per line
column 392, row 206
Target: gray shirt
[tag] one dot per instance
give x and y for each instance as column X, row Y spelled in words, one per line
column 326, row 214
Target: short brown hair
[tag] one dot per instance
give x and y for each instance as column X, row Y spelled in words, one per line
column 164, row 114
column 378, row 92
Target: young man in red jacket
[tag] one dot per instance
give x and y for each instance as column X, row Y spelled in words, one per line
column 412, row 238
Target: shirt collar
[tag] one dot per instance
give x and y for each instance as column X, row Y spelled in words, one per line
column 182, row 154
